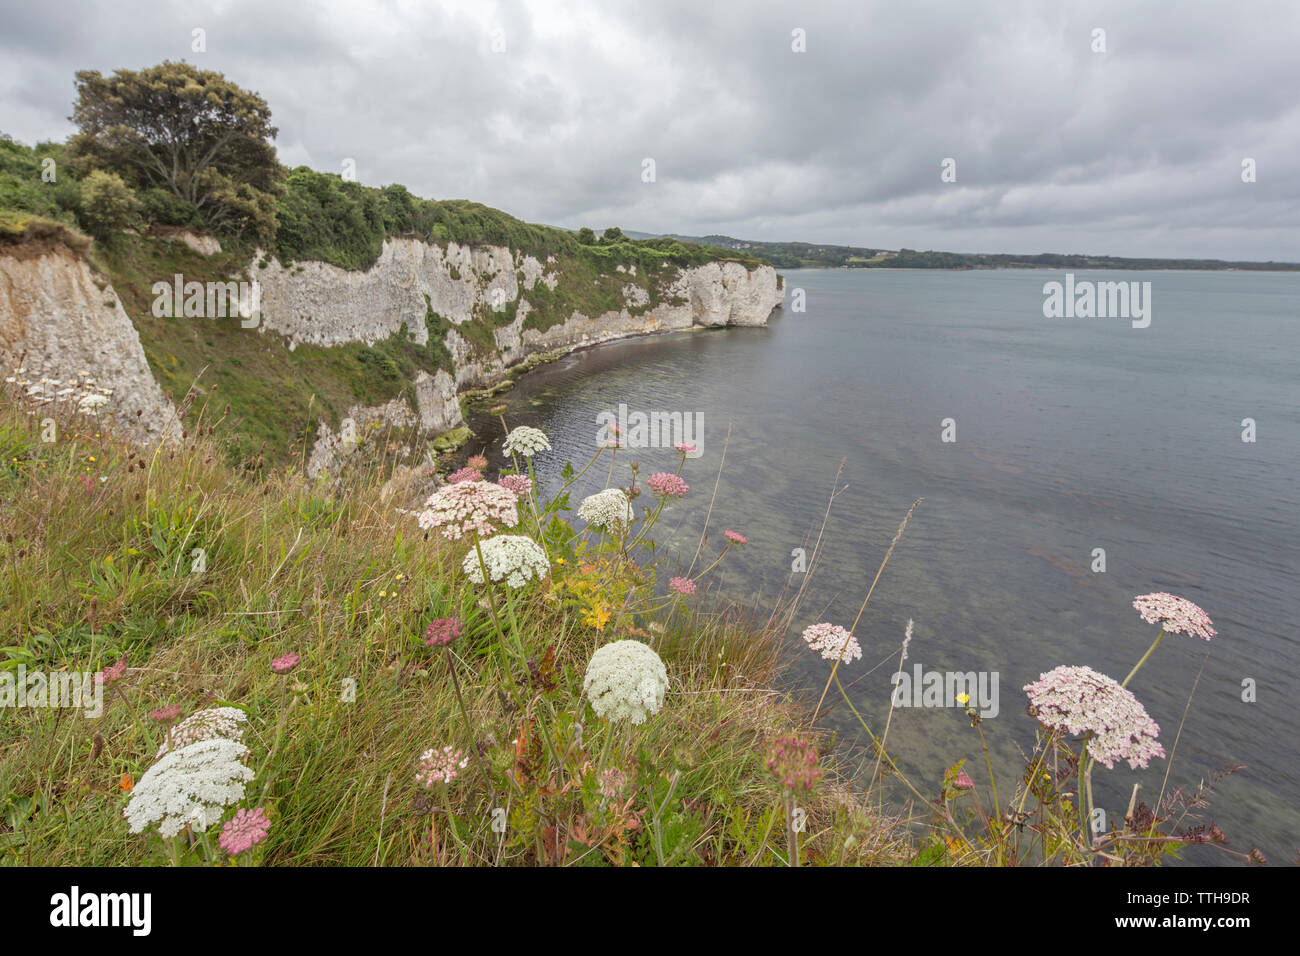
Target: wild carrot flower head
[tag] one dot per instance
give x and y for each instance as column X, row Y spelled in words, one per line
column 515, row 559
column 214, row 722
column 613, row 783
column 607, row 510
column 1079, row 700
column 521, row 485
column 625, row 680
column 477, row 462
column 735, row 538
column 469, row 507
column 282, row 665
column 112, row 673
column 682, row 585
column 832, row 642
column 685, row 448
column 1176, row 615
column 442, row 632
column 793, row 761
column 668, row 485
column 244, row 830
column 189, row 785
column 963, row 781
column 440, row 766
column 526, row 440
column 498, row 409
column 464, row 474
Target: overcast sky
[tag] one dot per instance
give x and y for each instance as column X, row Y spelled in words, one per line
column 1134, row 151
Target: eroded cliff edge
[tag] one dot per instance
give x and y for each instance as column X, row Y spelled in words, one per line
column 467, row 313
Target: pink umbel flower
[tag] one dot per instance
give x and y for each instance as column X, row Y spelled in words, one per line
column 477, row 462
column 112, row 673
column 469, row 507
column 440, row 766
column 1174, row 614
column 685, row 449
column 464, row 474
column 682, row 585
column 165, row 715
column 282, row 665
column 1078, row 700
column 245, row 830
column 735, row 538
column 793, row 761
column 442, row 632
column 832, row 642
column 963, row 781
column 521, row 485
column 668, row 485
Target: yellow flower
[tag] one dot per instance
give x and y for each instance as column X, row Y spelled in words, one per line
column 963, row 699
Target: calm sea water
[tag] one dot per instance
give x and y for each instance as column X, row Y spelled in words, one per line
column 1071, row 435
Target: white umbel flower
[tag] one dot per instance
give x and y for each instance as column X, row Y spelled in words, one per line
column 205, row 725
column 625, row 679
column 513, row 558
column 607, row 510
column 526, row 441
column 189, row 785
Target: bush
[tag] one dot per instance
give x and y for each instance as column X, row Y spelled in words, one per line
column 107, row 204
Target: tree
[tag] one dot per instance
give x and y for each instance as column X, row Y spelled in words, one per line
column 190, row 131
column 614, row 234
column 107, row 204
column 586, row 237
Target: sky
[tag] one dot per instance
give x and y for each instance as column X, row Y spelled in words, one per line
column 826, row 122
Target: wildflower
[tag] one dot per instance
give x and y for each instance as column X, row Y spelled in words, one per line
column 521, row 485
column 793, row 761
column 189, row 785
column 682, row 585
column 282, row 665
column 527, row 441
column 207, row 724
column 165, row 715
column 442, row 632
column 513, row 558
column 91, row 402
column 111, row 674
column 832, row 642
column 668, row 485
column 245, row 830
column 963, row 781
column 469, row 506
column 735, row 538
column 440, row 766
column 607, row 510
column 464, row 474
column 625, row 679
column 477, row 462
column 685, row 449
column 613, row 783
column 1174, row 614
column 1079, row 700
column 498, row 409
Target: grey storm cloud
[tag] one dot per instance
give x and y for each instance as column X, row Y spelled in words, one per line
column 548, row 110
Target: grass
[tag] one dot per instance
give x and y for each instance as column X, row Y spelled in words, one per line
column 95, row 570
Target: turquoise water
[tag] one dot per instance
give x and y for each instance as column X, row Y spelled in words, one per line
column 1071, row 435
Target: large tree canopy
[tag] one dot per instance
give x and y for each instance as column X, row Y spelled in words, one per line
column 189, row 131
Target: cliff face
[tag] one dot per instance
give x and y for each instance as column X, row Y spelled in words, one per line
column 58, row 320
column 476, row 301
